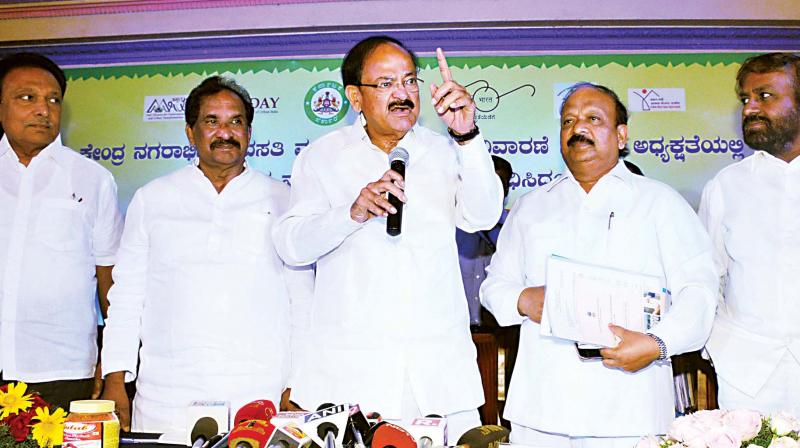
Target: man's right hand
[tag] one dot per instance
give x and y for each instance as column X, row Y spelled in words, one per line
column 531, row 303
column 372, row 202
column 115, row 390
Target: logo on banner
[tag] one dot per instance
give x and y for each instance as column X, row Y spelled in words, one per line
column 164, row 107
column 325, row 103
column 656, row 100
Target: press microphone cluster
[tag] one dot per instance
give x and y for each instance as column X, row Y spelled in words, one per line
column 398, row 159
column 345, row 426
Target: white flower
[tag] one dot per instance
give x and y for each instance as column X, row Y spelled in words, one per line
column 745, row 422
column 783, row 423
column 784, row 442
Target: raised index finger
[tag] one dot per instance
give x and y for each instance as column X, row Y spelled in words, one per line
column 444, row 69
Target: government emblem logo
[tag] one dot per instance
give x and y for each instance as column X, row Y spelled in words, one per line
column 325, row 103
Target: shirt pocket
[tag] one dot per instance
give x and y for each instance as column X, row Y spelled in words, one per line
column 252, row 232
column 59, row 225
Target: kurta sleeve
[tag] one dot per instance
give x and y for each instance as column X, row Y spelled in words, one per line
column 687, row 260
column 506, row 279
column 107, row 225
column 126, row 298
column 311, row 227
column 479, row 197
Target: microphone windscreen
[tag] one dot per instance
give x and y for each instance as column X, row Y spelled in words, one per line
column 391, row 435
column 398, row 153
column 204, row 428
column 262, row 410
column 251, row 434
column 486, row 436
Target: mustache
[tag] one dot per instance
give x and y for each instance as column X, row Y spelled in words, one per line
column 579, row 138
column 43, row 122
column 756, row 118
column 221, row 142
column 401, row 103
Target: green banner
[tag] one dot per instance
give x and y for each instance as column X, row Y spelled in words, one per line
column 684, row 123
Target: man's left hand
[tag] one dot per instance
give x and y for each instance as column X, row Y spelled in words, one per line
column 98, row 382
column 634, row 352
column 452, row 101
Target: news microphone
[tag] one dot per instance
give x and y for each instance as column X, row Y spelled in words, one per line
column 390, row 435
column 221, row 443
column 358, row 426
column 251, row 434
column 331, row 420
column 486, row 436
column 262, row 410
column 289, row 436
column 398, row 159
column 204, row 428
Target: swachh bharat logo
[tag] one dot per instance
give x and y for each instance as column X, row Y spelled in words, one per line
column 325, row 103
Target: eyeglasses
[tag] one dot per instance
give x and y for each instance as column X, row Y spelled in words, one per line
column 387, row 85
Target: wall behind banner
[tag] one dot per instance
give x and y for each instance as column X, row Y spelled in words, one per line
column 684, row 123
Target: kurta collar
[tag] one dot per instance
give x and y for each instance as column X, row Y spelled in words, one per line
column 51, row 151
column 409, row 141
column 619, row 172
column 763, row 157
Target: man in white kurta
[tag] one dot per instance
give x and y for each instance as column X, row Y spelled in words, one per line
column 389, row 318
column 59, row 231
column 198, row 280
column 751, row 210
column 598, row 212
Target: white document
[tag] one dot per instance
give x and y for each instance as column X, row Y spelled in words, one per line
column 582, row 299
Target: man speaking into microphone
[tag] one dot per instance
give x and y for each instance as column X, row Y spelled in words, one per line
column 389, row 319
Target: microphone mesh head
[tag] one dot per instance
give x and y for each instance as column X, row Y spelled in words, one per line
column 398, row 153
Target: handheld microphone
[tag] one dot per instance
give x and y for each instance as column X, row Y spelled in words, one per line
column 203, row 430
column 398, row 159
column 486, row 436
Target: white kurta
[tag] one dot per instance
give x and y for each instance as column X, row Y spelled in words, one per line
column 199, row 283
column 752, row 212
column 58, row 220
column 387, row 309
column 653, row 231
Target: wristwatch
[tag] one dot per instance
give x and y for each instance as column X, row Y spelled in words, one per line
column 662, row 347
column 461, row 138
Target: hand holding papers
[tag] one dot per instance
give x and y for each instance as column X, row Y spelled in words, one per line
column 581, row 300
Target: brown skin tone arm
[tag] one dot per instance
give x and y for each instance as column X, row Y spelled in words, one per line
column 115, row 390
column 531, row 303
column 634, row 352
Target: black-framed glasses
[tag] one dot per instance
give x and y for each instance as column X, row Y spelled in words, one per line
column 387, row 85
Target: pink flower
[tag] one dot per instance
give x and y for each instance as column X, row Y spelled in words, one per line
column 648, row 442
column 722, row 437
column 693, row 429
column 684, row 429
column 744, row 422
